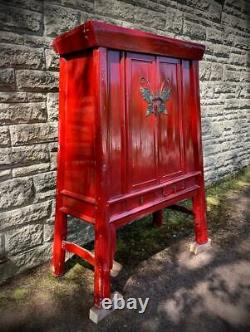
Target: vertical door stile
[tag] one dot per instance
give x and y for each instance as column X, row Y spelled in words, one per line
column 116, row 123
column 127, row 138
column 124, row 119
column 180, row 106
column 100, row 58
column 154, row 87
column 157, row 84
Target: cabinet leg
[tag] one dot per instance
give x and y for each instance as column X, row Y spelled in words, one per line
column 103, row 254
column 60, row 233
column 158, row 218
column 200, row 220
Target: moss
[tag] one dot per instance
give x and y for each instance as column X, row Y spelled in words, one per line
column 19, row 294
column 213, row 200
column 3, row 300
column 12, row 296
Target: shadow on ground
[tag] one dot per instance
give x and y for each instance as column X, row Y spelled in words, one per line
column 187, row 293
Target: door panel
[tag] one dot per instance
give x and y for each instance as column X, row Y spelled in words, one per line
column 170, row 124
column 142, row 128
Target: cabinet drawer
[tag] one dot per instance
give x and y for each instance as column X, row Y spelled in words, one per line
column 169, row 190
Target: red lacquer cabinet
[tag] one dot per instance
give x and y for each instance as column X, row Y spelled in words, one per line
column 129, row 136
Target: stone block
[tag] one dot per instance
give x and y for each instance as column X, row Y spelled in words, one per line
column 45, row 185
column 5, row 174
column 52, row 60
column 221, row 51
column 159, row 6
column 231, row 104
column 52, row 106
column 13, row 18
column 194, row 31
column 21, row 56
column 231, row 75
column 35, row 5
column 24, row 238
column 214, row 35
column 5, row 157
column 214, row 11
column 58, row 19
column 48, row 232
column 35, row 213
column 117, row 9
column 30, row 155
column 216, row 72
column 30, row 170
column 224, row 87
column 21, row 97
column 32, row 257
column 33, row 133
column 23, row 113
column 206, row 91
column 44, row 182
column 238, row 59
column 242, row 42
column 4, row 136
column 205, row 71
column 16, row 192
column 29, row 40
column 149, row 18
column 53, row 161
column 174, row 20
column 7, row 270
column 36, row 80
column 7, row 79
column 83, row 5
column 229, row 36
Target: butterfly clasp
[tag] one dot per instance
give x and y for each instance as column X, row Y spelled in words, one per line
column 156, row 102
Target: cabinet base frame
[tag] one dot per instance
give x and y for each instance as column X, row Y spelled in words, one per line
column 105, row 242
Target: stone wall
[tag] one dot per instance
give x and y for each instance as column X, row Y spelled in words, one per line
column 28, row 100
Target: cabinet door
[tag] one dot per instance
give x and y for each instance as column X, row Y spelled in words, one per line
column 141, row 127
column 170, row 145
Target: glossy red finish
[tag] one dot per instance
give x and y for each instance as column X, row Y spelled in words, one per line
column 125, row 149
column 94, row 34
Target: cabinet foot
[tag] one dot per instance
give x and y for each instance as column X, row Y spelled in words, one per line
column 116, row 269
column 97, row 314
column 196, row 248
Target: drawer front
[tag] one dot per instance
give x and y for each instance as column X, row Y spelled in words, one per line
column 138, row 201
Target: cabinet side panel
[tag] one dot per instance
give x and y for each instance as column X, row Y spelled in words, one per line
column 188, row 116
column 115, row 115
column 79, row 126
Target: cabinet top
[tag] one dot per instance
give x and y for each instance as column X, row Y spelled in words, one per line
column 94, row 34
